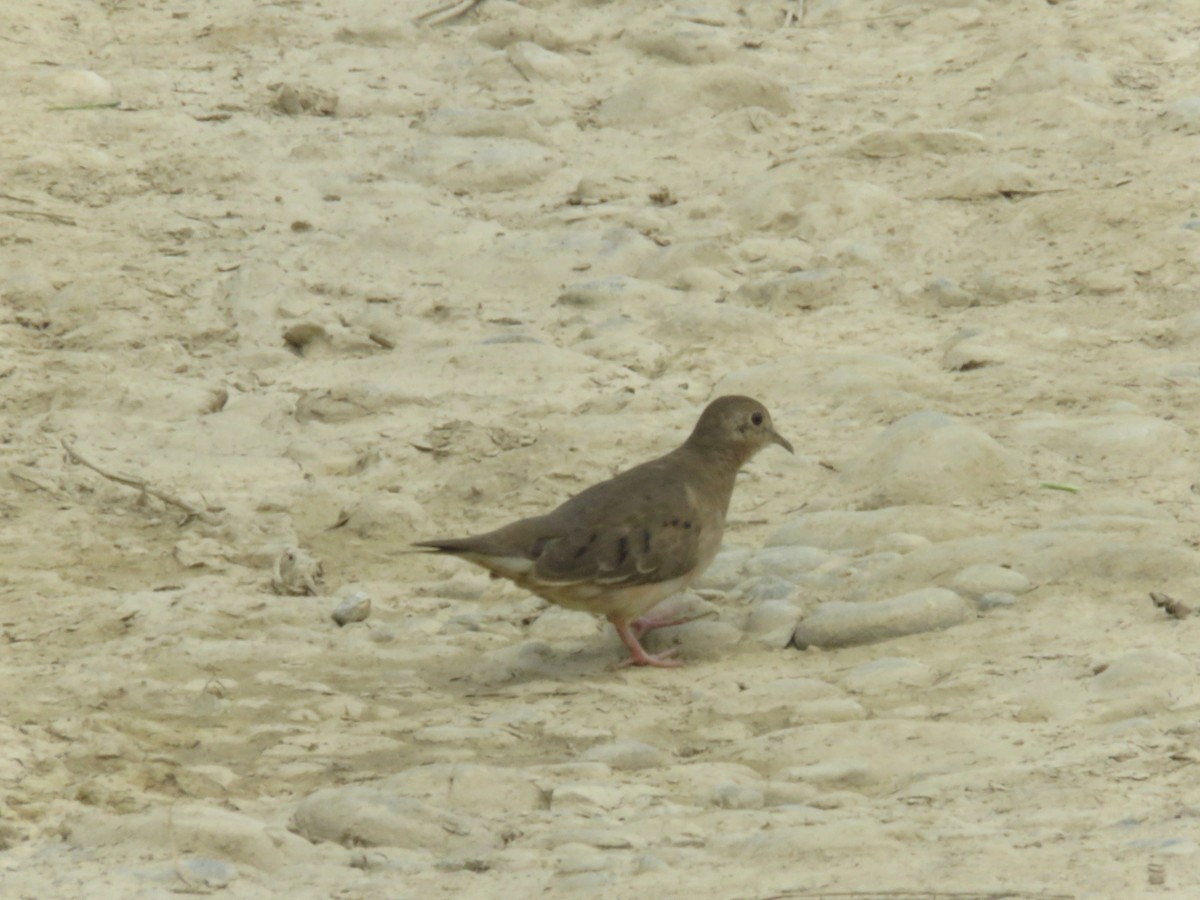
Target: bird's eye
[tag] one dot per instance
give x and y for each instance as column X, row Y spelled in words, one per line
column 757, row 418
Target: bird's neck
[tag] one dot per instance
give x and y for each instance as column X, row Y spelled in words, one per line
column 718, row 464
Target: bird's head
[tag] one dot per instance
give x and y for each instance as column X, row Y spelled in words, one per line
column 740, row 426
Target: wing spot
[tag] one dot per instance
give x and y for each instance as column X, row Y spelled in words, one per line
column 646, row 540
column 622, row 549
column 687, row 524
column 583, row 548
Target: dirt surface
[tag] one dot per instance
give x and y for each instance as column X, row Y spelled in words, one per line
column 317, row 280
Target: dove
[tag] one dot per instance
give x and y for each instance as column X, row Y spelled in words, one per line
column 619, row 548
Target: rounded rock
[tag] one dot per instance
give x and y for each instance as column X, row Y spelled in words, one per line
column 80, row 87
column 703, row 638
column 928, row 458
column 729, row 795
column 995, row 600
column 726, row 572
column 789, row 562
column 773, row 622
column 1150, row 668
column 1183, row 115
column 625, row 755
column 767, row 587
column 882, row 675
column 984, row 578
column 840, row 624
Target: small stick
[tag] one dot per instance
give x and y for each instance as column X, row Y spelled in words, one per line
column 30, row 480
column 1170, row 605
column 193, row 511
column 446, row 12
column 34, row 214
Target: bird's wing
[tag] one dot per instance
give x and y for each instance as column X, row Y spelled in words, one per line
column 641, row 528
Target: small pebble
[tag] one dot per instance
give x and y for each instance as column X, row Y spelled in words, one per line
column 840, row 624
column 626, row 755
column 984, row 578
column 882, row 675
column 206, row 874
column 789, row 561
column 773, row 622
column 729, row 795
column 767, row 587
column 297, row 572
column 995, row 600
column 355, row 608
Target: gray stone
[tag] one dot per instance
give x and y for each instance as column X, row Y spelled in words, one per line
column 946, row 293
column 1050, row 69
column 362, row 815
column 208, row 874
column 616, row 292
column 834, row 774
column 883, row 675
column 536, row 63
column 703, row 638
column 1151, row 668
column 984, row 578
column 772, row 622
column 859, row 530
column 797, row 290
column 1183, row 115
column 838, row 624
column 729, row 795
column 655, row 97
column 1139, row 444
column 995, row 600
column 726, row 572
column 572, row 859
column 355, row 608
column 970, row 350
column 767, row 587
column 625, row 755
column 559, row 624
column 449, row 121
column 690, row 44
column 788, row 561
column 892, row 142
column 929, row 458
column 995, row 179
column 466, row 787
column 215, row 832
column 488, row 164
column 777, row 695
column 829, row 709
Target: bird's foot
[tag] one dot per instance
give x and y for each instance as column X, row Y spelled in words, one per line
column 637, row 653
column 664, row 660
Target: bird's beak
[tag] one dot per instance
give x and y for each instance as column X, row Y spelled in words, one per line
column 783, row 442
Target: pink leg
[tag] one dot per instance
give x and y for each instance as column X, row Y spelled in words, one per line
column 648, row 623
column 637, row 653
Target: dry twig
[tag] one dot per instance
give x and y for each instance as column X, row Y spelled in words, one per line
column 1170, row 605
column 447, row 11
column 30, row 480
column 193, row 511
column 34, row 214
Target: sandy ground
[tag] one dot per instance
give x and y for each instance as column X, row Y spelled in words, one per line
column 326, row 279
